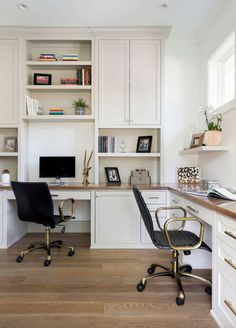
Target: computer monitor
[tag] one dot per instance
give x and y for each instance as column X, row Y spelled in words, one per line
column 57, row 167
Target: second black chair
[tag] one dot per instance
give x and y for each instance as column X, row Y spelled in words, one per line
column 35, row 204
column 175, row 240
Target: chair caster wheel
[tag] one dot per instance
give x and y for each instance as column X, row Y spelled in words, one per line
column 47, row 263
column 179, row 301
column 151, row 270
column 208, row 290
column 71, row 253
column 19, row 259
column 140, row 287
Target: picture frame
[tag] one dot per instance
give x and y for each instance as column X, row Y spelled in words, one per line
column 197, row 140
column 10, row 144
column 144, row 144
column 113, row 176
column 42, row 79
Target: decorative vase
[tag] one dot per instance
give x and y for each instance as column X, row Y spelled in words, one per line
column 6, row 178
column 213, row 138
column 79, row 111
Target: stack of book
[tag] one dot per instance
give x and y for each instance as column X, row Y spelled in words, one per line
column 70, row 57
column 47, row 57
column 84, row 76
column 68, row 81
column 56, row 111
column 107, row 144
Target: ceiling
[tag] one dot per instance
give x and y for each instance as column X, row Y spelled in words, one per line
column 185, row 16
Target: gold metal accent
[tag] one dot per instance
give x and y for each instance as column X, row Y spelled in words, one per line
column 230, row 306
column 230, row 234
column 60, row 208
column 230, row 262
column 170, row 208
column 208, row 282
column 87, row 168
column 192, row 209
column 183, row 248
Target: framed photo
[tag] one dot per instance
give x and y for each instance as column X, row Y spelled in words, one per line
column 113, row 176
column 42, row 79
column 197, row 140
column 144, row 144
column 10, row 144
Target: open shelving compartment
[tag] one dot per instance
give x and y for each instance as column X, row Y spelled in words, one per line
column 8, row 160
column 130, row 160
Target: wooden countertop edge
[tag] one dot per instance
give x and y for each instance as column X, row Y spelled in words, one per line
column 209, row 203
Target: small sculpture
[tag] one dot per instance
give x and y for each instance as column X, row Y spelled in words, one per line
column 86, row 168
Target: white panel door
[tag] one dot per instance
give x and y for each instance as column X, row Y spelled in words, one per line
column 145, row 61
column 113, row 81
column 8, row 81
column 117, row 219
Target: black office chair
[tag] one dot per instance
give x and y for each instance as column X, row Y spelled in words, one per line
column 176, row 240
column 34, row 204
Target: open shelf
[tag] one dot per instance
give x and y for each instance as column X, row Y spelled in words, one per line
column 204, row 149
column 59, row 63
column 58, row 118
column 129, row 155
column 59, row 87
column 8, row 154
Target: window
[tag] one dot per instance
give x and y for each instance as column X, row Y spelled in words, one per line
column 221, row 74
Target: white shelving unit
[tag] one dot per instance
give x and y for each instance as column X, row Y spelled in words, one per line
column 204, row 149
column 8, row 154
column 59, row 87
column 58, row 63
column 143, row 155
column 58, row 118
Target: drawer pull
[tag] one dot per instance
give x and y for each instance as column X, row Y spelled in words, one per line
column 175, row 201
column 152, row 197
column 55, row 195
column 192, row 209
column 230, row 306
column 230, row 262
column 230, row 234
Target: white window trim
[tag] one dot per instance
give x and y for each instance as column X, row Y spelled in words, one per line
column 217, row 59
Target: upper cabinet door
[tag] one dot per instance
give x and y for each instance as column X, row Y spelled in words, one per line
column 145, row 61
column 8, row 81
column 113, row 81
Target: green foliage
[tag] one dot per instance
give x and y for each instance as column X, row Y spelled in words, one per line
column 79, row 103
column 214, row 123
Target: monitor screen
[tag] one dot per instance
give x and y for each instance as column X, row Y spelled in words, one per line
column 57, row 167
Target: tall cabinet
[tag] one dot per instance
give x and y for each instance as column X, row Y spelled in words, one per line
column 128, row 70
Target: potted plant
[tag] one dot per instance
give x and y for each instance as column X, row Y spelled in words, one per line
column 79, row 106
column 213, row 135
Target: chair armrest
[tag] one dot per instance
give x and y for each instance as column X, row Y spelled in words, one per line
column 183, row 248
column 166, row 208
column 60, row 208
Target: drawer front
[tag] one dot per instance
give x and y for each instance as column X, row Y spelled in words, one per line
column 57, row 194
column 176, row 200
column 154, row 197
column 226, row 258
column 226, row 230
column 195, row 210
column 226, row 301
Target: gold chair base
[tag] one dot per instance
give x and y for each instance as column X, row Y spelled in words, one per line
column 47, row 246
column 176, row 272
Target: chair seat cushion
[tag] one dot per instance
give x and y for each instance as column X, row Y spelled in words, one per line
column 178, row 238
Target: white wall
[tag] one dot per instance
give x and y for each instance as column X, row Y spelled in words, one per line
column 219, row 166
column 181, row 100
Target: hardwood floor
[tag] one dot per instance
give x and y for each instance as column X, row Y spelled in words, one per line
column 94, row 288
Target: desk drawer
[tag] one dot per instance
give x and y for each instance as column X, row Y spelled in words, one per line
column 77, row 195
column 226, row 258
column 206, row 215
column 154, row 197
column 226, row 230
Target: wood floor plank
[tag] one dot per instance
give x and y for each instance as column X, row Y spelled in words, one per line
column 94, row 288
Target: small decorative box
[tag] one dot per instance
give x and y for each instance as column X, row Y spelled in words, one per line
column 140, row 177
column 188, row 174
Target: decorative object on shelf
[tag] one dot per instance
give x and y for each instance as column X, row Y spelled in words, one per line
column 113, row 176
column 42, row 79
column 122, row 145
column 79, row 106
column 10, row 144
column 140, row 177
column 144, row 144
column 33, row 106
column 87, row 168
column 197, row 140
column 6, row 177
column 188, row 174
column 213, row 135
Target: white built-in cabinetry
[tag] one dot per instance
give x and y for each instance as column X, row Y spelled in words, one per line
column 129, row 82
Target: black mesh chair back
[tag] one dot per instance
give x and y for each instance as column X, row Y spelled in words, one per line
column 34, row 202
column 146, row 216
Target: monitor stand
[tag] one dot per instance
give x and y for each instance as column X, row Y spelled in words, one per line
column 58, row 182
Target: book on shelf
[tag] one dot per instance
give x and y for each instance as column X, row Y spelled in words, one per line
column 47, row 57
column 225, row 193
column 107, row 144
column 84, row 76
column 33, row 106
column 69, row 81
column 56, row 111
column 70, row 57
